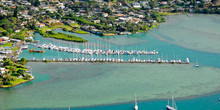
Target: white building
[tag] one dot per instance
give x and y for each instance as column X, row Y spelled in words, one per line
column 136, row 5
column 2, row 70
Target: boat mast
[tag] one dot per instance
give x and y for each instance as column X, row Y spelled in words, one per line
column 135, row 100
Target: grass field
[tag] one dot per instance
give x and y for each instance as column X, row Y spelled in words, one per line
column 81, row 32
column 14, row 83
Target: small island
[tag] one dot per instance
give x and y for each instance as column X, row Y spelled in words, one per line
column 13, row 73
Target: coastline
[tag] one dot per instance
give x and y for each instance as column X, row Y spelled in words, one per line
column 9, row 86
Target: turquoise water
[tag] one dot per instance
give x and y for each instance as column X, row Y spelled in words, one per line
column 59, row 85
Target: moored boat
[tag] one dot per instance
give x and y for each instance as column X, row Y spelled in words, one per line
column 25, row 47
column 136, row 105
column 173, row 107
column 36, row 51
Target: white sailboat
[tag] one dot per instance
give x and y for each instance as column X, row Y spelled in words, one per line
column 197, row 64
column 136, row 105
column 173, row 107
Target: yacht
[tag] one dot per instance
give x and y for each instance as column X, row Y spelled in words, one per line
column 173, row 107
column 135, row 106
column 25, row 47
column 197, row 64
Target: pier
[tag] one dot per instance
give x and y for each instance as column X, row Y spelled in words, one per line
column 158, row 61
column 96, row 51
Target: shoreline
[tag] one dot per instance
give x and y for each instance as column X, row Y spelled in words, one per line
column 17, row 84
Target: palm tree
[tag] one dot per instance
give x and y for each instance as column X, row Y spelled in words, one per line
column 6, row 78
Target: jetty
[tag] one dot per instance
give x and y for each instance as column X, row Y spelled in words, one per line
column 111, row 60
column 97, row 51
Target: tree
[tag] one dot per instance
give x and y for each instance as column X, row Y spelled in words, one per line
column 27, row 77
column 37, row 3
column 206, row 10
column 23, row 61
column 6, row 78
column 16, row 12
column 21, row 72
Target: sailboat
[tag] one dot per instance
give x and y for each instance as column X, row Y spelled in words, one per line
column 173, row 107
column 197, row 64
column 135, row 106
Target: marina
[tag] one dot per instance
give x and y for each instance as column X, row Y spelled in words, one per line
column 97, row 85
column 108, row 60
column 97, row 51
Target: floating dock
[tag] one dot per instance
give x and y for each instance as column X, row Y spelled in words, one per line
column 112, row 61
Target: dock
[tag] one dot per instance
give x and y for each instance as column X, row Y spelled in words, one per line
column 96, row 51
column 112, row 61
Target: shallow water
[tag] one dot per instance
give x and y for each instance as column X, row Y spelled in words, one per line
column 86, row 84
column 202, row 30
column 58, row 85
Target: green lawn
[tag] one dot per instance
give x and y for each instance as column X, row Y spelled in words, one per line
column 68, row 28
column 14, row 49
column 16, row 82
column 2, row 30
column 81, row 32
column 74, row 24
column 108, row 34
column 9, row 44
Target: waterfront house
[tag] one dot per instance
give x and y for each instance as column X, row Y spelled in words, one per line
column 5, row 38
column 136, row 5
column 104, row 14
column 95, row 31
column 40, row 25
column 2, row 70
column 29, row 38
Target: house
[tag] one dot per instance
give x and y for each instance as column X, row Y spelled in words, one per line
column 40, row 25
column 99, row 1
column 60, row 5
column 2, row 70
column 163, row 3
column 52, row 21
column 140, row 16
column 95, row 31
column 29, row 38
column 1, row 59
column 146, row 6
column 198, row 2
column 96, row 21
column 2, row 12
column 17, row 30
column 120, row 15
column 124, row 19
column 136, row 5
column 69, row 22
column 5, row 38
column 144, row 2
column 28, row 17
column 104, row 14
